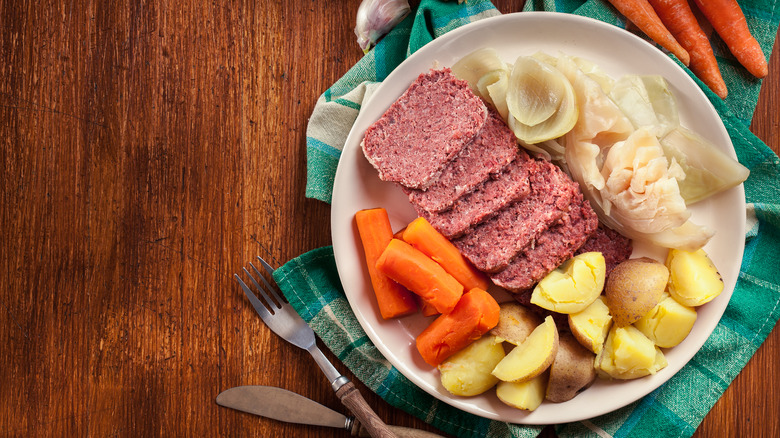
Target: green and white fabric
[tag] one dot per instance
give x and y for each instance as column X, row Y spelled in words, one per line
column 312, row 286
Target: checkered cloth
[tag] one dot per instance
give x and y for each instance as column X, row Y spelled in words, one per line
column 312, row 286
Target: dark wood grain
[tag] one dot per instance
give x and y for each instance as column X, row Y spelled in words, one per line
column 149, row 150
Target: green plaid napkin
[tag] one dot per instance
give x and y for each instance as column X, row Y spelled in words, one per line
column 312, row 286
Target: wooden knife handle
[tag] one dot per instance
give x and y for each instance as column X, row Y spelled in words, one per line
column 352, row 399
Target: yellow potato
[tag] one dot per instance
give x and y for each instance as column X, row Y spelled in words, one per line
column 467, row 372
column 634, row 287
column 573, row 286
column 668, row 323
column 628, row 354
column 571, row 371
column 515, row 323
column 532, row 357
column 590, row 327
column 694, row 279
column 526, row 395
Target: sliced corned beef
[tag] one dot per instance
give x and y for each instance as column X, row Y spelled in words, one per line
column 491, row 245
column 511, row 185
column 551, row 248
column 430, row 124
column 490, row 152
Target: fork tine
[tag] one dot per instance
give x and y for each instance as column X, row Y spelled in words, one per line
column 271, row 289
column 266, row 266
column 273, row 306
column 256, row 303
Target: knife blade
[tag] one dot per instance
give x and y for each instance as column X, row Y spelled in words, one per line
column 283, row 405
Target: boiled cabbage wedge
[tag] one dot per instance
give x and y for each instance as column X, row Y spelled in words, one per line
column 708, row 170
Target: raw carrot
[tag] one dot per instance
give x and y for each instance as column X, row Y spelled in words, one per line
column 644, row 17
column 679, row 19
column 729, row 22
column 375, row 233
column 420, row 274
column 421, row 235
column 476, row 313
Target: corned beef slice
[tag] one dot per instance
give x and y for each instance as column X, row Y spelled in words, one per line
column 553, row 247
column 498, row 191
column 491, row 245
column 430, row 124
column 615, row 247
column 490, row 152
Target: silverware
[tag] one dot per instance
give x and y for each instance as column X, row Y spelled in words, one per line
column 283, row 320
column 283, row 405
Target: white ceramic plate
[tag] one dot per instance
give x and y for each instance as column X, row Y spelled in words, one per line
column 357, row 187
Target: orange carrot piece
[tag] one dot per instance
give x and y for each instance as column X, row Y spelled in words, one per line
column 399, row 234
column 644, row 17
column 420, row 274
column 393, row 299
column 729, row 22
column 476, row 313
column 427, row 308
column 421, row 235
column 679, row 19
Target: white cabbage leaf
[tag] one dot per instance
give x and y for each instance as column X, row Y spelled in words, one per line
column 707, row 169
column 647, row 101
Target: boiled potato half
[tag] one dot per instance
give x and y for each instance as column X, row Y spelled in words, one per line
column 526, row 395
column 628, row 354
column 515, row 323
column 571, row 371
column 532, row 357
column 694, row 280
column 634, row 287
column 668, row 323
column 573, row 286
column 467, row 372
column 590, row 327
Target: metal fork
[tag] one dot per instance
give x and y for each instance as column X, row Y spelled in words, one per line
column 283, row 320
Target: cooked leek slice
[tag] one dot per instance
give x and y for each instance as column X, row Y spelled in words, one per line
column 536, row 91
column 708, row 170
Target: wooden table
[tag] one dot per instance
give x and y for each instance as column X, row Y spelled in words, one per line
column 149, row 151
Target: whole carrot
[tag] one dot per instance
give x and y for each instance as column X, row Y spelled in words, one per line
column 644, row 17
column 679, row 19
column 729, row 22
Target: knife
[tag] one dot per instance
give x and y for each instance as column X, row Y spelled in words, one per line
column 283, row 405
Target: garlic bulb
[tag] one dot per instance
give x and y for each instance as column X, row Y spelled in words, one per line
column 376, row 17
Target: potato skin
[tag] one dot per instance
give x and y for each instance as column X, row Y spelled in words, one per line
column 571, row 371
column 515, row 322
column 633, row 288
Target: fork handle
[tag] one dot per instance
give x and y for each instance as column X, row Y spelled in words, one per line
column 352, row 399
